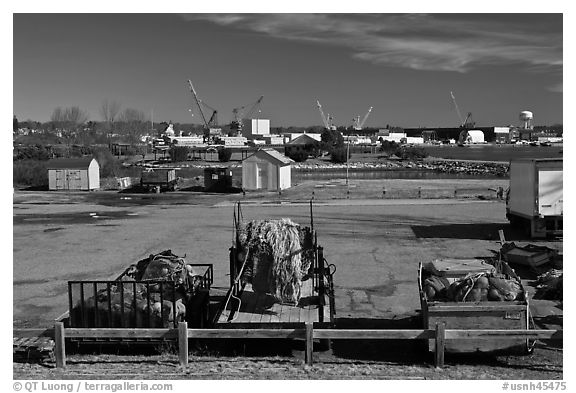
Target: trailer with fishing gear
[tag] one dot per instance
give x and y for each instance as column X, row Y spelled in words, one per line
column 279, row 277
column 471, row 294
column 157, row 292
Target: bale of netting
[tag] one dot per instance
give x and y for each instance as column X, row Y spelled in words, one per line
column 278, row 256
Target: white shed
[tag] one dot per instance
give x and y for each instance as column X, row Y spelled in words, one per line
column 472, row 136
column 73, row 174
column 266, row 169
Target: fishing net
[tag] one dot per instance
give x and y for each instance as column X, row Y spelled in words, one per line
column 279, row 254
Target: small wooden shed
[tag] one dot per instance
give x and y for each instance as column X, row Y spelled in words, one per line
column 266, row 169
column 81, row 174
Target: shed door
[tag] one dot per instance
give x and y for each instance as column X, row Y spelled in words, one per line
column 74, row 179
column 262, row 181
column 60, row 176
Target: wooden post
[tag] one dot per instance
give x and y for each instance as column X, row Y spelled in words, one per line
column 501, row 235
column 321, row 287
column 183, row 343
column 439, row 349
column 71, row 305
column 59, row 346
column 309, row 343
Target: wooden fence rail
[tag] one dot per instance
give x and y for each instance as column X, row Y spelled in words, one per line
column 182, row 334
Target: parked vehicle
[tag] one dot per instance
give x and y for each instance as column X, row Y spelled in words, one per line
column 535, row 196
column 158, row 179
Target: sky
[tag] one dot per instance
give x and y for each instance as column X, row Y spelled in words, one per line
column 402, row 65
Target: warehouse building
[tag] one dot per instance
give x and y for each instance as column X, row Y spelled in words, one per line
column 75, row 174
column 471, row 136
column 266, row 170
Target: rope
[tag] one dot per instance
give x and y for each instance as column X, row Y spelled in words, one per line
column 473, row 278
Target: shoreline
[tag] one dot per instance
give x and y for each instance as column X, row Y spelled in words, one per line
column 494, row 168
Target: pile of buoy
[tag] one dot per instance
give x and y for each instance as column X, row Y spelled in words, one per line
column 477, row 287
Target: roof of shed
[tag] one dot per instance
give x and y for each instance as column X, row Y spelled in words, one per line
column 303, row 140
column 69, row 163
column 273, row 155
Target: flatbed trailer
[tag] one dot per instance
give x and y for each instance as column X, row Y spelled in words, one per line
column 244, row 308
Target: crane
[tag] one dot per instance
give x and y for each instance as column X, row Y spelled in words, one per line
column 466, row 123
column 359, row 124
column 238, row 113
column 213, row 121
column 456, row 107
column 327, row 120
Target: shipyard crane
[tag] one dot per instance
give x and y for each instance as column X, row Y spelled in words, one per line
column 213, row 121
column 238, row 113
column 456, row 107
column 327, row 120
column 467, row 122
column 359, row 124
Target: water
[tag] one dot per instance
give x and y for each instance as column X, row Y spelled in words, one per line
column 491, row 152
column 299, row 176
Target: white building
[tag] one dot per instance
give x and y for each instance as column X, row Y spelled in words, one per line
column 187, row 141
column 254, row 127
column 357, row 139
column 393, row 137
column 231, row 140
column 273, row 139
column 293, row 135
column 267, row 170
column 471, row 136
column 502, row 134
column 81, row 174
column 415, row 140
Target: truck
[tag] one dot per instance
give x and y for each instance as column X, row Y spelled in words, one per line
column 534, row 200
column 158, row 179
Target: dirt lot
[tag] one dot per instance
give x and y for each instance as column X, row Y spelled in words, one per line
column 376, row 245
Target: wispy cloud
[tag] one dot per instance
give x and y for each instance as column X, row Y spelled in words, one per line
column 424, row 42
column 557, row 88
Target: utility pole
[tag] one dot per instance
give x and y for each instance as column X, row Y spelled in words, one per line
column 347, row 155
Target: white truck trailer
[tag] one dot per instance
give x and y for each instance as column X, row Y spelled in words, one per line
column 535, row 197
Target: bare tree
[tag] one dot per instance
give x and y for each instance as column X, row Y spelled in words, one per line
column 75, row 116
column 134, row 125
column 69, row 121
column 109, row 112
column 57, row 118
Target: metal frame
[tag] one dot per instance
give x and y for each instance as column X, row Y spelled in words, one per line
column 97, row 286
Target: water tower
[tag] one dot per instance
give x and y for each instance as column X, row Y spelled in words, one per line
column 526, row 119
